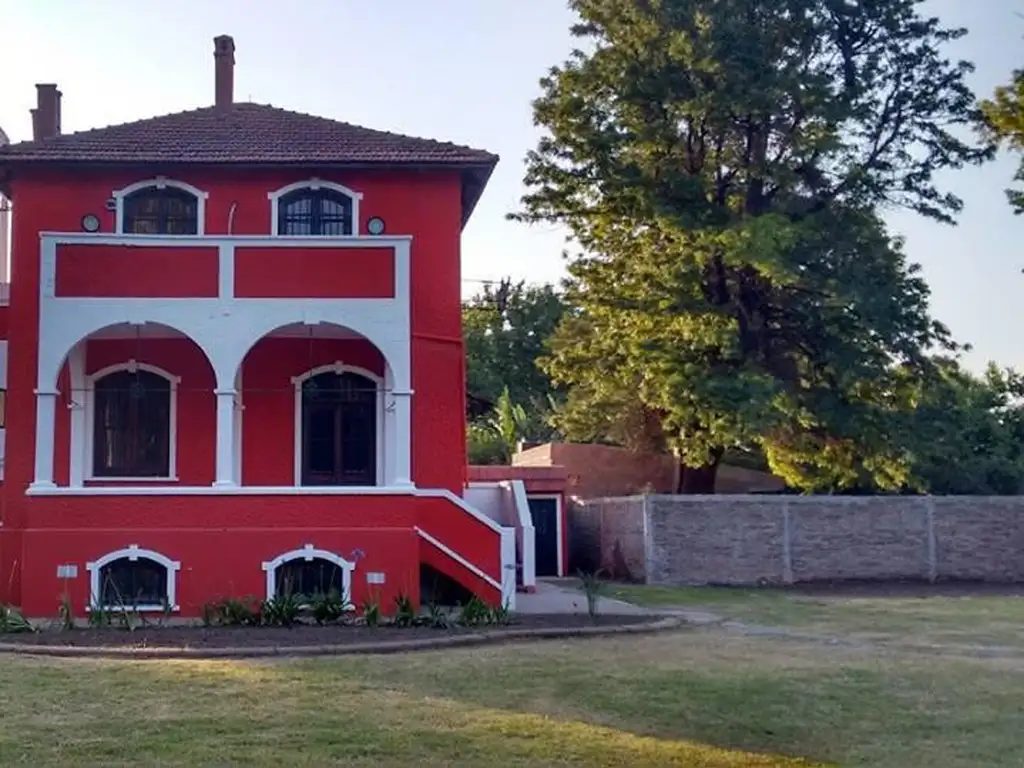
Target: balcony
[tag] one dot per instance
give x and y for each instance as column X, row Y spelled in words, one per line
column 76, row 266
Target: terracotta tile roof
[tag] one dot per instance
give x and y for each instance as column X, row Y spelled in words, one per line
column 244, row 133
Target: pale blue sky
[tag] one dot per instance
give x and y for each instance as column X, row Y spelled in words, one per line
column 464, row 71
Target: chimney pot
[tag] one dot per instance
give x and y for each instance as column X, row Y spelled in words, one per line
column 46, row 115
column 224, row 70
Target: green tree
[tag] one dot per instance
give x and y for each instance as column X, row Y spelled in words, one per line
column 719, row 163
column 969, row 432
column 506, row 328
column 1003, row 123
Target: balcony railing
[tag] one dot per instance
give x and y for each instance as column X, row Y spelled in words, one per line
column 79, row 265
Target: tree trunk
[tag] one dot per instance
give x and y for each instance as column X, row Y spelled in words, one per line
column 699, row 479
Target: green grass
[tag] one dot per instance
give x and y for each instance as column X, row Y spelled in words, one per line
column 690, row 698
column 966, row 621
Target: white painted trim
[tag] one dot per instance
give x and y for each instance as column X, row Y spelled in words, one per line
column 339, row 368
column 309, row 553
column 90, row 421
column 508, row 568
column 314, row 184
column 558, row 524
column 444, row 493
column 210, row 490
column 525, row 533
column 133, row 552
column 237, row 437
column 78, row 426
column 161, row 182
column 457, row 558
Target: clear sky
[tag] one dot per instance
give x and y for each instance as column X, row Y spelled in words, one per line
column 463, row 71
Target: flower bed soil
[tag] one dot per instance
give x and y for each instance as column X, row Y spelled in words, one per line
column 299, row 636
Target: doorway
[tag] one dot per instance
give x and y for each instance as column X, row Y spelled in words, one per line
column 339, row 430
column 546, row 513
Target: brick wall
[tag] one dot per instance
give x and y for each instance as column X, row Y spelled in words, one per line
column 783, row 539
column 602, row 471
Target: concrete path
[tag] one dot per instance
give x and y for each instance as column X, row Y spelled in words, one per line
column 550, row 598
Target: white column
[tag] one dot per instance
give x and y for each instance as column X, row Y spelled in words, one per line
column 399, row 449
column 46, row 410
column 225, row 437
column 76, row 371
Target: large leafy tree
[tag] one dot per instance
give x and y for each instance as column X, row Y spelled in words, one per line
column 1003, row 122
column 719, row 163
column 506, row 328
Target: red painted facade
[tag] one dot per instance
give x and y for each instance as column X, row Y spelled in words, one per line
column 222, row 537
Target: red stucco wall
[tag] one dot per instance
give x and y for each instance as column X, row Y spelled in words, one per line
column 426, row 206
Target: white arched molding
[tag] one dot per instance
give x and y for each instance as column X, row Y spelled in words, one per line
column 82, row 447
column 133, row 553
column 340, row 368
column 309, row 553
column 313, row 184
column 160, row 182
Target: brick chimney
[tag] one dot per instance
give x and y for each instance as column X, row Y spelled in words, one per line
column 224, row 65
column 46, row 115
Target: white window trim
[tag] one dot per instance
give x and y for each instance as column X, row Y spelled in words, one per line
column 161, row 182
column 339, row 368
column 133, row 553
column 314, row 184
column 309, row 553
column 90, row 422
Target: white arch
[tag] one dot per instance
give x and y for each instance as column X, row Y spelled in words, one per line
column 309, row 553
column 160, row 182
column 379, row 414
column 134, row 553
column 314, row 184
column 82, row 445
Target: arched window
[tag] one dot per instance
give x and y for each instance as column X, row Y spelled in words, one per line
column 160, row 206
column 315, row 207
column 314, row 212
column 132, row 424
column 308, row 571
column 133, row 578
column 167, row 211
column 338, row 430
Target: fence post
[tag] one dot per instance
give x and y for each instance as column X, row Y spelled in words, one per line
column 787, row 544
column 933, row 565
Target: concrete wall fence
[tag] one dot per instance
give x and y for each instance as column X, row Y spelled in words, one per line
column 752, row 539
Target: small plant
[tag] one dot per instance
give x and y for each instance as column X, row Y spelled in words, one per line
column 501, row 615
column 282, row 610
column 436, row 617
column 328, row 607
column 371, row 612
column 476, row 613
column 66, row 613
column 405, row 612
column 593, row 587
column 12, row 622
column 238, row 612
column 100, row 615
column 210, row 614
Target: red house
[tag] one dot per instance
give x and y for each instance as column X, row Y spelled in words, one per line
column 234, row 362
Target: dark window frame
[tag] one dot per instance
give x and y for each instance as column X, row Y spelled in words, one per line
column 160, row 211
column 129, row 441
column 126, row 581
column 322, row 212
column 309, row 577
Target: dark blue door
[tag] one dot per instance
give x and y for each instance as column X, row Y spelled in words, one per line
column 544, row 512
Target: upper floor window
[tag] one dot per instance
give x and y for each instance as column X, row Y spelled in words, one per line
column 315, row 207
column 160, row 207
column 167, row 211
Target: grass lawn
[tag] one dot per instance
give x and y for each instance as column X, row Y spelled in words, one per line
column 946, row 620
column 703, row 697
